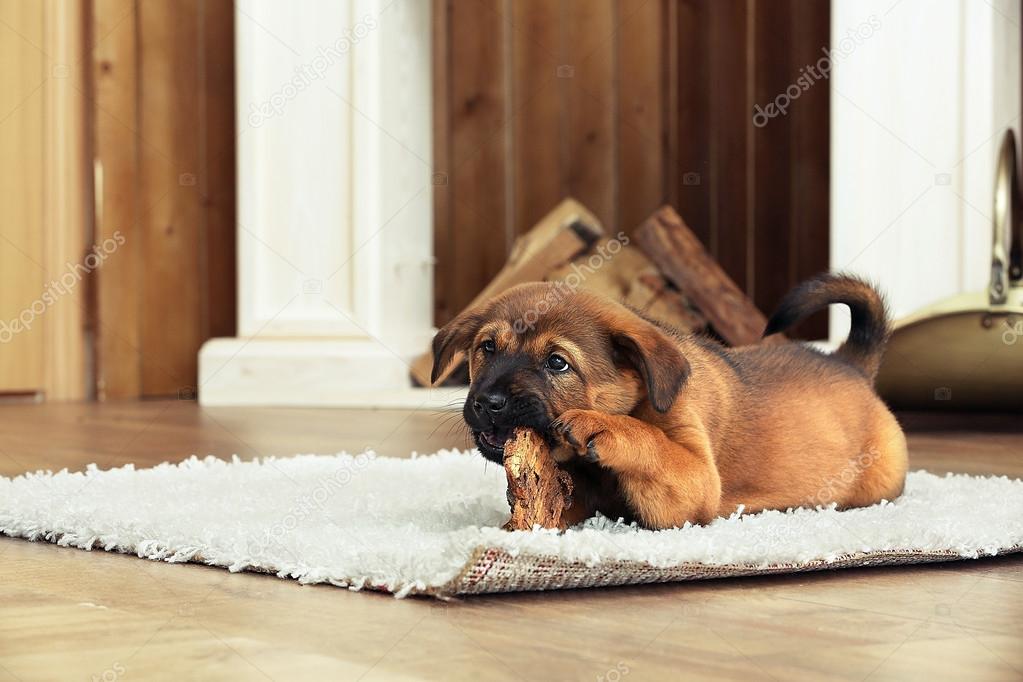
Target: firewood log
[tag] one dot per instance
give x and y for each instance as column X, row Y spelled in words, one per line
column 560, row 236
column 660, row 301
column 538, row 490
column 682, row 259
column 630, row 277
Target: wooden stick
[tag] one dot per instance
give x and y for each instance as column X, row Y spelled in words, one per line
column 538, row 490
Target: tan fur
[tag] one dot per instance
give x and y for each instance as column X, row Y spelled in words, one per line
column 758, row 427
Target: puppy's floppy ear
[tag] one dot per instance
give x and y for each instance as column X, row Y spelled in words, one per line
column 454, row 337
column 656, row 357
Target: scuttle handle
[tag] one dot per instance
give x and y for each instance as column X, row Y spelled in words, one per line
column 1005, row 248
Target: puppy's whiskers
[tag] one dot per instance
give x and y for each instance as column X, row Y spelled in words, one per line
column 449, row 420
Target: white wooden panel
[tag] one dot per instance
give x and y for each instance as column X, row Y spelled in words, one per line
column 294, row 167
column 393, row 164
column 917, row 113
column 334, row 205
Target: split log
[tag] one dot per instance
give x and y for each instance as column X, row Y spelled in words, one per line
column 609, row 275
column 562, row 235
column 659, row 300
column 538, row 490
column 672, row 246
column 629, row 276
column 667, row 275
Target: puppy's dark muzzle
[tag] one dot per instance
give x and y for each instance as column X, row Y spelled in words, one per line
column 493, row 416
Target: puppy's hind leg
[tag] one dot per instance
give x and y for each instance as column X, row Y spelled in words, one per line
column 882, row 464
column 665, row 483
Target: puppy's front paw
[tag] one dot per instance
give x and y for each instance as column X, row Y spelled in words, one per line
column 584, row 431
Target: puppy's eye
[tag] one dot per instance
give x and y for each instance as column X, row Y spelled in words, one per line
column 556, row 363
column 488, row 346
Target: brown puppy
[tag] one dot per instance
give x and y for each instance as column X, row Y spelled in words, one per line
column 665, row 428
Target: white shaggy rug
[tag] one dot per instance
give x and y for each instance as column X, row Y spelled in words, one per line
column 431, row 525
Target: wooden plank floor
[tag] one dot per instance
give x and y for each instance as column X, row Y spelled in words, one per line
column 68, row 614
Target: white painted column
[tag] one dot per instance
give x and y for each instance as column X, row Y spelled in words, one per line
column 334, row 206
column 918, row 110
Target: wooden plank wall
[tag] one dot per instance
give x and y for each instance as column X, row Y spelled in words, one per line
column 164, row 140
column 67, row 197
column 44, row 199
column 23, row 72
column 627, row 104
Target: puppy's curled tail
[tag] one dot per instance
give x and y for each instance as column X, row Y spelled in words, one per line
column 870, row 327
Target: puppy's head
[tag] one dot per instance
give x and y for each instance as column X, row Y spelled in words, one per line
column 541, row 349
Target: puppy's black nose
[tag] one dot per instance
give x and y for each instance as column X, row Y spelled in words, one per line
column 491, row 402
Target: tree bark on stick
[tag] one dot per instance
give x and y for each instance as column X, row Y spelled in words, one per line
column 538, row 490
